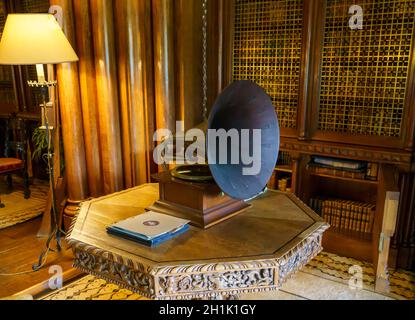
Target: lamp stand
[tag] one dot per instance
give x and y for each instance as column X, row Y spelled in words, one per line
column 55, row 231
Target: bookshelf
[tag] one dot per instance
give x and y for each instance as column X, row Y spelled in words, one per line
column 347, row 203
column 338, row 94
column 282, row 176
column 284, row 168
column 344, row 179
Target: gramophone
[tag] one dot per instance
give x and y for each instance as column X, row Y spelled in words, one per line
column 207, row 194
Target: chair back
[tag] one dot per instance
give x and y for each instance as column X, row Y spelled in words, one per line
column 15, row 138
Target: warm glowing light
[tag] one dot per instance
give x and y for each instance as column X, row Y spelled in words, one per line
column 34, row 39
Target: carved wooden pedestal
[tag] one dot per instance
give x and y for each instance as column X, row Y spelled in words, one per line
column 255, row 251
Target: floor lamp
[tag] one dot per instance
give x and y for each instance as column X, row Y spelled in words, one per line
column 37, row 39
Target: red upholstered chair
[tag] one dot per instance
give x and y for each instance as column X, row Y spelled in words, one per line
column 14, row 161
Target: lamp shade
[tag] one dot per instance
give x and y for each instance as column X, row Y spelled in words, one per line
column 34, row 39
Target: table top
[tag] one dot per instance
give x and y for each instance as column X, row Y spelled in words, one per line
column 276, row 223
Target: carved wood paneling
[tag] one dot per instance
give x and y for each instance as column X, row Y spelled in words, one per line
column 400, row 158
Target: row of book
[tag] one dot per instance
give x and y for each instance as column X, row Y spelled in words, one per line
column 284, row 159
column 345, row 215
column 281, row 182
column 344, row 168
column 337, row 173
column 283, row 185
column 344, row 164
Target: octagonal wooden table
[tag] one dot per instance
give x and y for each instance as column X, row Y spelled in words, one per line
column 252, row 252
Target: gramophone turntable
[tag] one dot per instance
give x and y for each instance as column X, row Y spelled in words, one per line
column 210, row 193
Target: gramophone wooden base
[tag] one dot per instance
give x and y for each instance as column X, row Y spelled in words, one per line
column 198, row 218
column 203, row 204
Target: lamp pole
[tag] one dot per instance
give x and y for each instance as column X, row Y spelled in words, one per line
column 56, row 231
column 38, row 39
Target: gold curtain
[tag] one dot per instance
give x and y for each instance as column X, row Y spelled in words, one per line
column 140, row 68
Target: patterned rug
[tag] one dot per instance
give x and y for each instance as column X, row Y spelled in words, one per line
column 327, row 271
column 18, row 209
column 92, row 288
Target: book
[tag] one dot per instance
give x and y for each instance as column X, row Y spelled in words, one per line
column 150, row 228
column 284, row 159
column 372, row 171
column 345, row 214
column 344, row 173
column 339, row 163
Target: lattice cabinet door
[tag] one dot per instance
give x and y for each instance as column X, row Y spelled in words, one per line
column 366, row 75
column 267, row 49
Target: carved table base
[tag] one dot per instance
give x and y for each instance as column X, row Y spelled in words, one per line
column 220, row 281
column 255, row 251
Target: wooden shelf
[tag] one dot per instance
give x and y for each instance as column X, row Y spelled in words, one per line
column 352, row 245
column 371, row 182
column 359, row 236
column 284, row 168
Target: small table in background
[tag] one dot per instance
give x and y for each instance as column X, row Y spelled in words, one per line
column 252, row 252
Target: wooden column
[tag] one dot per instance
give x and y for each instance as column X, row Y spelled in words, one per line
column 403, row 243
column 295, row 171
column 163, row 28
column 149, row 91
column 310, row 9
column 88, row 96
column 107, row 94
column 385, row 224
column 227, row 30
column 124, row 24
column 215, row 48
column 71, row 114
column 188, row 60
column 136, row 88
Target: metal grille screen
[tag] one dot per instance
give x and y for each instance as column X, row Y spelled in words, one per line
column 267, row 50
column 364, row 72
